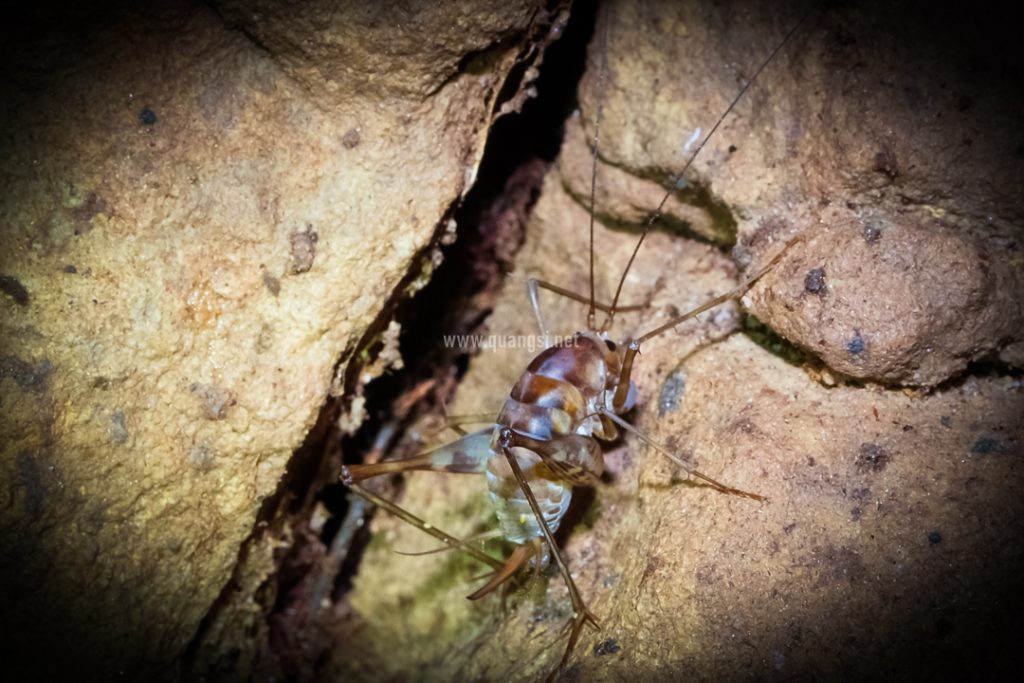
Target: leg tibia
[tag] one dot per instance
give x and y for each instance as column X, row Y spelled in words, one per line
column 468, row 455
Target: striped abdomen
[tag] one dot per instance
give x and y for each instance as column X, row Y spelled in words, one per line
column 552, row 410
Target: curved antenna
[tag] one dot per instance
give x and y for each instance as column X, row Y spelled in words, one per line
column 656, row 214
column 602, row 68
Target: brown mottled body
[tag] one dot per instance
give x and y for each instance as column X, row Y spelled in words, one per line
column 555, row 415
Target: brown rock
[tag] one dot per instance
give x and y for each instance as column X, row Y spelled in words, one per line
column 193, row 237
column 878, row 125
column 911, row 307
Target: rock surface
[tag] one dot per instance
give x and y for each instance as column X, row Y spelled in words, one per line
column 204, row 209
column 889, row 539
column 886, row 133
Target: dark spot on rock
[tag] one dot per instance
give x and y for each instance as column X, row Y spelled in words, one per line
column 855, row 514
column 745, row 426
column 872, row 233
column 871, row 457
column 571, row 675
column 814, row 282
column 82, row 215
column 102, row 383
column 272, row 284
column 12, row 287
column 768, row 230
column 29, row 377
column 811, row 462
column 70, row 269
column 303, row 249
column 844, row 564
column 788, row 529
column 147, row 116
column 216, row 400
column 117, row 430
column 934, row 537
column 852, row 206
column 967, row 142
column 914, row 97
column 946, row 421
column 863, row 493
column 351, row 138
column 984, row 446
column 707, row 574
column 32, row 483
column 732, row 149
column 964, row 103
column 607, row 647
column 671, row 393
column 885, row 162
column 202, row 457
column 653, row 563
column 856, row 344
column 943, row 627
column 96, row 515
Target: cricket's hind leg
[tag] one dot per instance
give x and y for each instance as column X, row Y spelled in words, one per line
column 502, row 571
column 580, row 614
column 425, row 527
column 516, row 561
column 468, row 455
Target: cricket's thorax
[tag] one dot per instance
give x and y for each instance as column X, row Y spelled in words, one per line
column 553, row 411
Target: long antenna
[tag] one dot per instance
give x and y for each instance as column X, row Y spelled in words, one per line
column 592, row 309
column 656, row 214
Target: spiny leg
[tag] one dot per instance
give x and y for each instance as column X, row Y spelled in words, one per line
column 519, row 557
column 633, row 347
column 668, row 454
column 470, row 419
column 468, row 455
column 581, row 615
column 532, row 286
column 426, row 527
column 734, row 293
column 476, row 538
column 569, row 294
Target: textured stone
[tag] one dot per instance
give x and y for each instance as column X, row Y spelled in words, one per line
column 202, row 213
column 888, row 127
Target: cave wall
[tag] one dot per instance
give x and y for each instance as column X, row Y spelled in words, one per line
column 205, row 208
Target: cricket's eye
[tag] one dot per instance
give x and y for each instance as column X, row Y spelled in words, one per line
column 610, row 344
